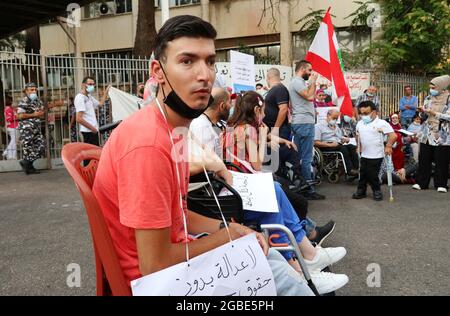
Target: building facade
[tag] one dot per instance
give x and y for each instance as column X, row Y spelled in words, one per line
column 270, row 33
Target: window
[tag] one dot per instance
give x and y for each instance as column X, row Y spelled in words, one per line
column 177, row 3
column 93, row 10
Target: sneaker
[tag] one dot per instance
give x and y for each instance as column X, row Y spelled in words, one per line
column 314, row 196
column 359, row 195
column 325, row 257
column 416, row 187
column 442, row 190
column 327, row 282
column 323, row 233
column 378, row 196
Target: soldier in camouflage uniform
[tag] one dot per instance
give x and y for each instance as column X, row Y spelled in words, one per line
column 30, row 112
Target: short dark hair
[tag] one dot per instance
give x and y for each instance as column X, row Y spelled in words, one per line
column 181, row 26
column 85, row 79
column 259, row 85
column 301, row 64
column 367, row 104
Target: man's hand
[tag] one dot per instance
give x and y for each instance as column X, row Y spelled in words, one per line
column 291, row 145
column 333, row 144
column 407, row 107
column 237, row 231
column 388, row 150
column 226, row 175
column 430, row 112
column 345, row 140
column 314, row 76
column 39, row 113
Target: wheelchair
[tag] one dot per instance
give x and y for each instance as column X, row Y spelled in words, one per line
column 203, row 202
column 330, row 164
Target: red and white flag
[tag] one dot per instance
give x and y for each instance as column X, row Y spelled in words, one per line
column 325, row 57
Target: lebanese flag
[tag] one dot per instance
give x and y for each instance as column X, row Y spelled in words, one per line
column 325, row 57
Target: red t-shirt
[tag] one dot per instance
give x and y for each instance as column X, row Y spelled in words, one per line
column 136, row 184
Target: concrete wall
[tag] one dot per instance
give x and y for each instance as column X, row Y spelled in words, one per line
column 232, row 19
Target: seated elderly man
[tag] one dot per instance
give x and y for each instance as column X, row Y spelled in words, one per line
column 329, row 137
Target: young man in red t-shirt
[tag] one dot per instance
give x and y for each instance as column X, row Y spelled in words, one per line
column 137, row 185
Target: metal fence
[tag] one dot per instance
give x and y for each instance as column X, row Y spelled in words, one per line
column 391, row 89
column 57, row 77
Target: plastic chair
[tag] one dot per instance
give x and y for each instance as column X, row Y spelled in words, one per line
column 110, row 278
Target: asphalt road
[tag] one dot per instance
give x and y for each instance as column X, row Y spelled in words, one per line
column 43, row 229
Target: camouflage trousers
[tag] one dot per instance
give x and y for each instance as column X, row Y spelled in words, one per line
column 33, row 143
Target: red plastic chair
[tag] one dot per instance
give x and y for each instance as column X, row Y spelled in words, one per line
column 110, row 278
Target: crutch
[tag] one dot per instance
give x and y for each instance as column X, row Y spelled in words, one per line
column 292, row 247
column 389, row 171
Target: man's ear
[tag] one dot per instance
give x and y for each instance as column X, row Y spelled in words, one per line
column 157, row 72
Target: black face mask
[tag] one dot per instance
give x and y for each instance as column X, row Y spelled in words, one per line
column 179, row 106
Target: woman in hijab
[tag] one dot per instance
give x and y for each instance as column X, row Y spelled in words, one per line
column 435, row 138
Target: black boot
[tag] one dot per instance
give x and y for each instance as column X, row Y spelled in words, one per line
column 25, row 166
column 32, row 169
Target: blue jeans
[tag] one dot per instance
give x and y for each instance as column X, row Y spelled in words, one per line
column 304, row 139
column 286, row 216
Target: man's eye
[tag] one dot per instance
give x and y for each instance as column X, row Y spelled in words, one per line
column 212, row 62
column 187, row 62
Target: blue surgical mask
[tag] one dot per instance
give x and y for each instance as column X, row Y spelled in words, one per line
column 367, row 119
column 371, row 95
column 33, row 96
column 434, row 92
column 347, row 119
column 90, row 89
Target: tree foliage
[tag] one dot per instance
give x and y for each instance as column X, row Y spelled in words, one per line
column 415, row 35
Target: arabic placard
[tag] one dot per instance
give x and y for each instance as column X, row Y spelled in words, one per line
column 256, row 190
column 223, row 69
column 234, row 269
column 242, row 71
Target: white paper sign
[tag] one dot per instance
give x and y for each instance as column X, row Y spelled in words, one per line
column 238, row 269
column 224, row 71
column 242, row 71
column 256, row 190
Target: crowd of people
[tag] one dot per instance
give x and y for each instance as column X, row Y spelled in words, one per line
column 142, row 188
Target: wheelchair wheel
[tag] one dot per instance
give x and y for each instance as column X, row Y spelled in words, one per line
column 318, row 165
column 334, row 177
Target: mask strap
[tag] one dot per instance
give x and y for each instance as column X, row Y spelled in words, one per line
column 179, row 185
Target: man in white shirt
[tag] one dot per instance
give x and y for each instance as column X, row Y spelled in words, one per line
column 85, row 105
column 207, row 127
column 370, row 134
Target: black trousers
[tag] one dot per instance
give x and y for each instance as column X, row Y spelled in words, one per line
column 369, row 174
column 91, row 138
column 350, row 155
column 440, row 155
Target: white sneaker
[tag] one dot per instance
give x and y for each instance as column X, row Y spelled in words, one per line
column 416, row 187
column 327, row 282
column 442, row 190
column 325, row 257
